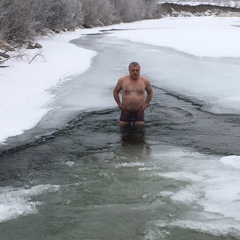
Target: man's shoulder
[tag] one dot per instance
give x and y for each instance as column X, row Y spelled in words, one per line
column 125, row 77
column 146, row 80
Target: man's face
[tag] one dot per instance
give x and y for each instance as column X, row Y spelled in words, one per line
column 134, row 71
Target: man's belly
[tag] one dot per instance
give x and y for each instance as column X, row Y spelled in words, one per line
column 133, row 102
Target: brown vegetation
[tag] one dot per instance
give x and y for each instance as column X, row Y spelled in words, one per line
column 21, row 21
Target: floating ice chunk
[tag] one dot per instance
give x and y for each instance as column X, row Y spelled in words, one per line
column 233, row 161
column 15, row 202
column 131, row 164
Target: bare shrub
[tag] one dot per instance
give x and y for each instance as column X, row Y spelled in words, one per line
column 62, row 14
column 97, row 12
column 134, row 10
column 22, row 20
column 15, row 20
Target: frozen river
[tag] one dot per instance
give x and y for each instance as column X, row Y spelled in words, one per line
column 175, row 178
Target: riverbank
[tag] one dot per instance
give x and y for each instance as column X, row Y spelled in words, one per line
column 30, row 74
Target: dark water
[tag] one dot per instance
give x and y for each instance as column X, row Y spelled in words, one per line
column 94, row 193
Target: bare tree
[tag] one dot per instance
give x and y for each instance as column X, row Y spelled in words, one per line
column 21, row 20
column 134, row 10
column 97, row 12
column 15, row 21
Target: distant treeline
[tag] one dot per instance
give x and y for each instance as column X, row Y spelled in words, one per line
column 186, row 10
column 21, row 20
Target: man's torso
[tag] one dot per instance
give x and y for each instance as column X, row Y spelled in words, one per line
column 133, row 93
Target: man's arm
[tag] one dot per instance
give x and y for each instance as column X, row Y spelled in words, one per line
column 116, row 92
column 149, row 95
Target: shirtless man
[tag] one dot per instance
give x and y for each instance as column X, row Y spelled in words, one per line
column 133, row 89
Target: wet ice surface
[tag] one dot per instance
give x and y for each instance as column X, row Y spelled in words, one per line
column 175, row 178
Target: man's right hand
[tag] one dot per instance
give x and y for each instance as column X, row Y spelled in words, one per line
column 123, row 108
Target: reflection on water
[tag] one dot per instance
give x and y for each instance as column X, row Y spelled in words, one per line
column 133, row 141
column 132, row 135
